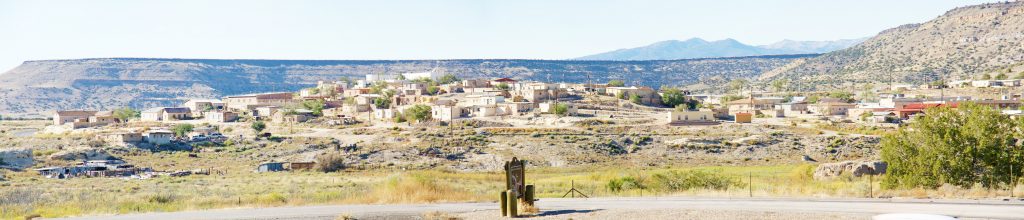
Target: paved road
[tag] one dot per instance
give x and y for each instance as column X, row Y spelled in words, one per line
column 958, row 208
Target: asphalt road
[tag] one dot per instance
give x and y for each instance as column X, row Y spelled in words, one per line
column 997, row 209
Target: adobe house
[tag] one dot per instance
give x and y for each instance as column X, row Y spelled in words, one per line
column 62, row 117
column 166, row 114
column 245, row 102
column 159, row 137
column 703, row 116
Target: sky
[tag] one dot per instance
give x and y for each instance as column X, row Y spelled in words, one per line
column 417, row 29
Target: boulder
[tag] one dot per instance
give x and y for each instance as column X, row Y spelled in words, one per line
column 16, row 158
column 855, row 168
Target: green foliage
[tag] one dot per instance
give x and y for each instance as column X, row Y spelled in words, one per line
column 965, row 146
column 1001, row 76
column 417, row 113
column 673, row 97
column 317, row 106
column 124, row 114
column 986, row 76
column 180, row 130
column 502, row 86
column 561, row 109
column 620, row 95
column 687, row 180
column 448, row 78
column 258, row 126
column 432, row 90
column 780, row 85
column 616, row 83
column 845, row 96
column 380, row 87
column 635, row 99
column 813, row 99
column 384, row 101
column 737, row 84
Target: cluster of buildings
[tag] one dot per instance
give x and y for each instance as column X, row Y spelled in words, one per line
column 890, row 108
column 93, row 168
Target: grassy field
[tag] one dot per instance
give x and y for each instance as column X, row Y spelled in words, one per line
column 98, row 196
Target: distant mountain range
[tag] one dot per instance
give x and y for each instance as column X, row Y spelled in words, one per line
column 700, row 48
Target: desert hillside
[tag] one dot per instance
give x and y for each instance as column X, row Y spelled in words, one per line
column 961, row 44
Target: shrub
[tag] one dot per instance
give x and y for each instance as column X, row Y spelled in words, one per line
column 330, row 163
column 687, row 180
column 272, row 198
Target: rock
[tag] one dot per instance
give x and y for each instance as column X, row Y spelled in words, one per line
column 16, row 158
column 78, row 154
column 855, row 168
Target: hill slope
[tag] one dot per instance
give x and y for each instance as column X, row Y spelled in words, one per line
column 960, row 44
column 41, row 86
column 699, row 48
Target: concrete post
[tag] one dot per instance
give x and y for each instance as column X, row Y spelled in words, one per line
column 529, row 194
column 504, row 203
column 513, row 204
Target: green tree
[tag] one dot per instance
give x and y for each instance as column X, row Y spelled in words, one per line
column 1001, row 76
column 673, row 97
column 180, row 130
column 561, row 109
column 317, row 106
column 620, row 95
column 448, row 78
column 417, row 113
column 737, row 85
column 969, row 145
column 432, row 90
column 124, row 114
column 258, row 126
column 400, row 77
column 384, row 101
column 616, row 83
column 845, row 96
column 502, row 86
column 635, row 99
column 780, row 85
column 380, row 87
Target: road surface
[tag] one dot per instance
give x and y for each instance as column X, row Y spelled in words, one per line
column 997, row 209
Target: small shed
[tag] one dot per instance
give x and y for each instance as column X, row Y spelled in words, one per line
column 303, row 165
column 270, row 167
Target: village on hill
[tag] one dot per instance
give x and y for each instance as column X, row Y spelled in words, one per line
column 386, row 100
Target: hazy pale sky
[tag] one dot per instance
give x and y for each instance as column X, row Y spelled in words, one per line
column 417, row 29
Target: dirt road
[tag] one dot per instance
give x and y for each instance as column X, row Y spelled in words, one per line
column 616, row 208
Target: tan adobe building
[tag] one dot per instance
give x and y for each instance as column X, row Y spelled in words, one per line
column 166, row 114
column 244, row 102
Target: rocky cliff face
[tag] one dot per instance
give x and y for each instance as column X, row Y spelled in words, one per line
column 960, row 44
column 43, row 86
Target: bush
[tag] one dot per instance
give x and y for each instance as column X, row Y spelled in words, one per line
column 963, row 147
column 330, row 163
column 687, row 180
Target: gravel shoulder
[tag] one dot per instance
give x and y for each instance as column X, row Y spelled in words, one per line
column 626, row 208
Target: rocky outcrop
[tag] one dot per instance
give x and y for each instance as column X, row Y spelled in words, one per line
column 854, row 168
column 16, row 158
column 79, row 154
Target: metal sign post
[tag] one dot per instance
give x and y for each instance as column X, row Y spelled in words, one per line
column 516, row 190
